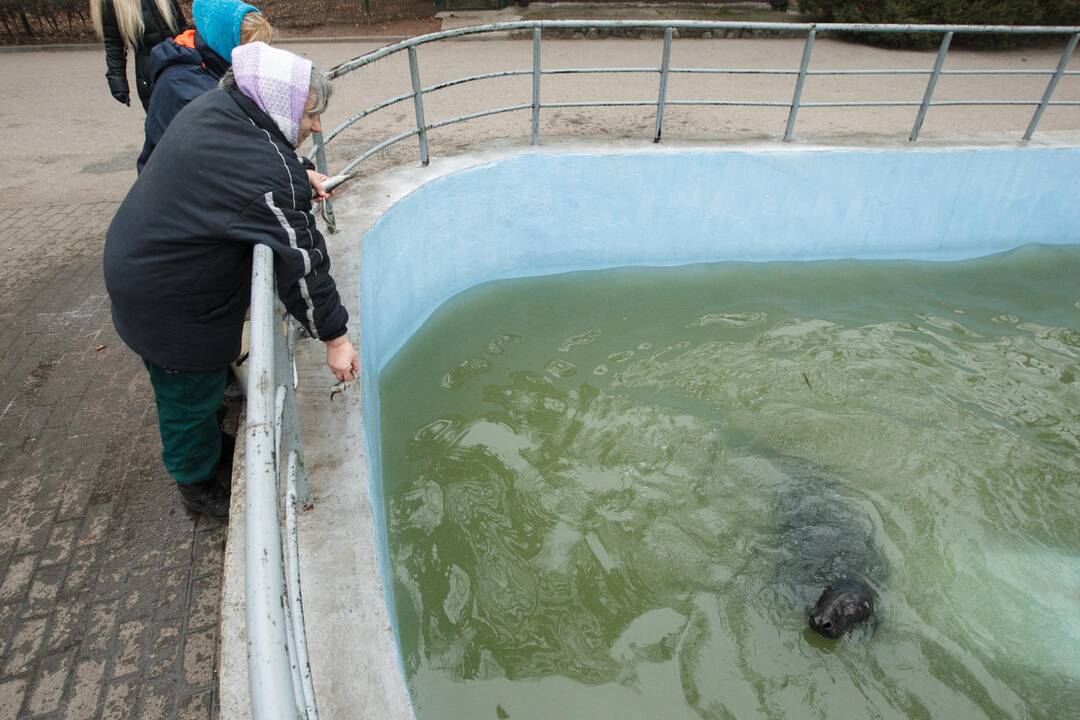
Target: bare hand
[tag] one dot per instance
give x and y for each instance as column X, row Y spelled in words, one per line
column 342, row 359
column 317, row 179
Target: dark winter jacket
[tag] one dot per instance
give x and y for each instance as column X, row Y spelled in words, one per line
column 181, row 69
column 155, row 31
column 178, row 252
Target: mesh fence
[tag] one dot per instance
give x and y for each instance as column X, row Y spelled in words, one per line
column 42, row 21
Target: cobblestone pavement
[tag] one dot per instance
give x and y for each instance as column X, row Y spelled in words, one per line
column 108, row 590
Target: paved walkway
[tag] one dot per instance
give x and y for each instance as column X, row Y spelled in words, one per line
column 108, row 591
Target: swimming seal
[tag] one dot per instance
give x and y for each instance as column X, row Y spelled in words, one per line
column 827, row 549
column 841, row 606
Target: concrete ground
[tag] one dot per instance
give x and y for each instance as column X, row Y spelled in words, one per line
column 108, row 591
column 109, row 594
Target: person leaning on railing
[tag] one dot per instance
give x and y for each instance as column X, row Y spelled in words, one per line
column 178, row 254
column 135, row 24
column 184, row 67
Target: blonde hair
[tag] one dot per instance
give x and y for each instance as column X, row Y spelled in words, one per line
column 129, row 19
column 256, row 28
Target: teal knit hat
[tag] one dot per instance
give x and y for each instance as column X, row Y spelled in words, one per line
column 218, row 22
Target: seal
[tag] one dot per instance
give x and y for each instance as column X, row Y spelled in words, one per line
column 827, row 549
column 841, row 607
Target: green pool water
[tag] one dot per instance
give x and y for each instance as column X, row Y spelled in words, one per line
column 590, row 479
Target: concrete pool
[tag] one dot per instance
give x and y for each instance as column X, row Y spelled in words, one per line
column 431, row 233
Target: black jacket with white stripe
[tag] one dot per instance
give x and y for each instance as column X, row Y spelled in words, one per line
column 178, row 252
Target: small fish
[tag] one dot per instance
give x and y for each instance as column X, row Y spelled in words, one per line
column 341, row 386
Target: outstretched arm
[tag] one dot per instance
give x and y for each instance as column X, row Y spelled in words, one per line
column 302, row 269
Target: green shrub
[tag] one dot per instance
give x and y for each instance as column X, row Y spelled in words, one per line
column 945, row 12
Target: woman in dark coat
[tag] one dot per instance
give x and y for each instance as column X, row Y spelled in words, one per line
column 178, row 254
column 140, row 25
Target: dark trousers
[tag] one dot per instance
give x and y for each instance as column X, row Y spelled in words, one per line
column 189, row 413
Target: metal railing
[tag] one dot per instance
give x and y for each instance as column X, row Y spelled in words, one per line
column 664, row 70
column 279, row 676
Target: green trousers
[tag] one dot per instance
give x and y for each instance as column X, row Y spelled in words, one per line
column 189, row 413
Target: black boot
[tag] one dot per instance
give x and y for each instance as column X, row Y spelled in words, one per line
column 206, row 497
column 223, row 472
column 228, row 445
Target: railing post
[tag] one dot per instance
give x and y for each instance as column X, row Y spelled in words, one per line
column 536, row 87
column 320, row 165
column 665, row 65
column 418, row 103
column 1062, row 64
column 789, row 132
column 942, row 52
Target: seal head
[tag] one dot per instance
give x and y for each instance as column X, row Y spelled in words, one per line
column 842, row 605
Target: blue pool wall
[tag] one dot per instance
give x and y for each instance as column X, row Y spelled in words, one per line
column 538, row 213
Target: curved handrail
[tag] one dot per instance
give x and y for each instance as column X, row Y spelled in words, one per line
column 269, row 671
column 811, row 30
column 367, row 58
column 279, row 677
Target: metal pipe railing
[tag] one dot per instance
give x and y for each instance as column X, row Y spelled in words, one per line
column 269, row 672
column 665, row 67
column 789, row 131
column 811, row 30
column 798, row 28
column 930, row 85
column 1066, row 55
column 418, row 105
column 279, row 676
column 664, row 70
column 536, row 73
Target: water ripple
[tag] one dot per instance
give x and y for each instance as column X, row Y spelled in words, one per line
column 634, row 541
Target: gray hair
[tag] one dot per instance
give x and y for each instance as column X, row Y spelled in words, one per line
column 319, row 89
column 228, row 81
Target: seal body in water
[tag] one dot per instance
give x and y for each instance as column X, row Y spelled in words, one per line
column 808, row 550
column 827, row 552
column 822, row 552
